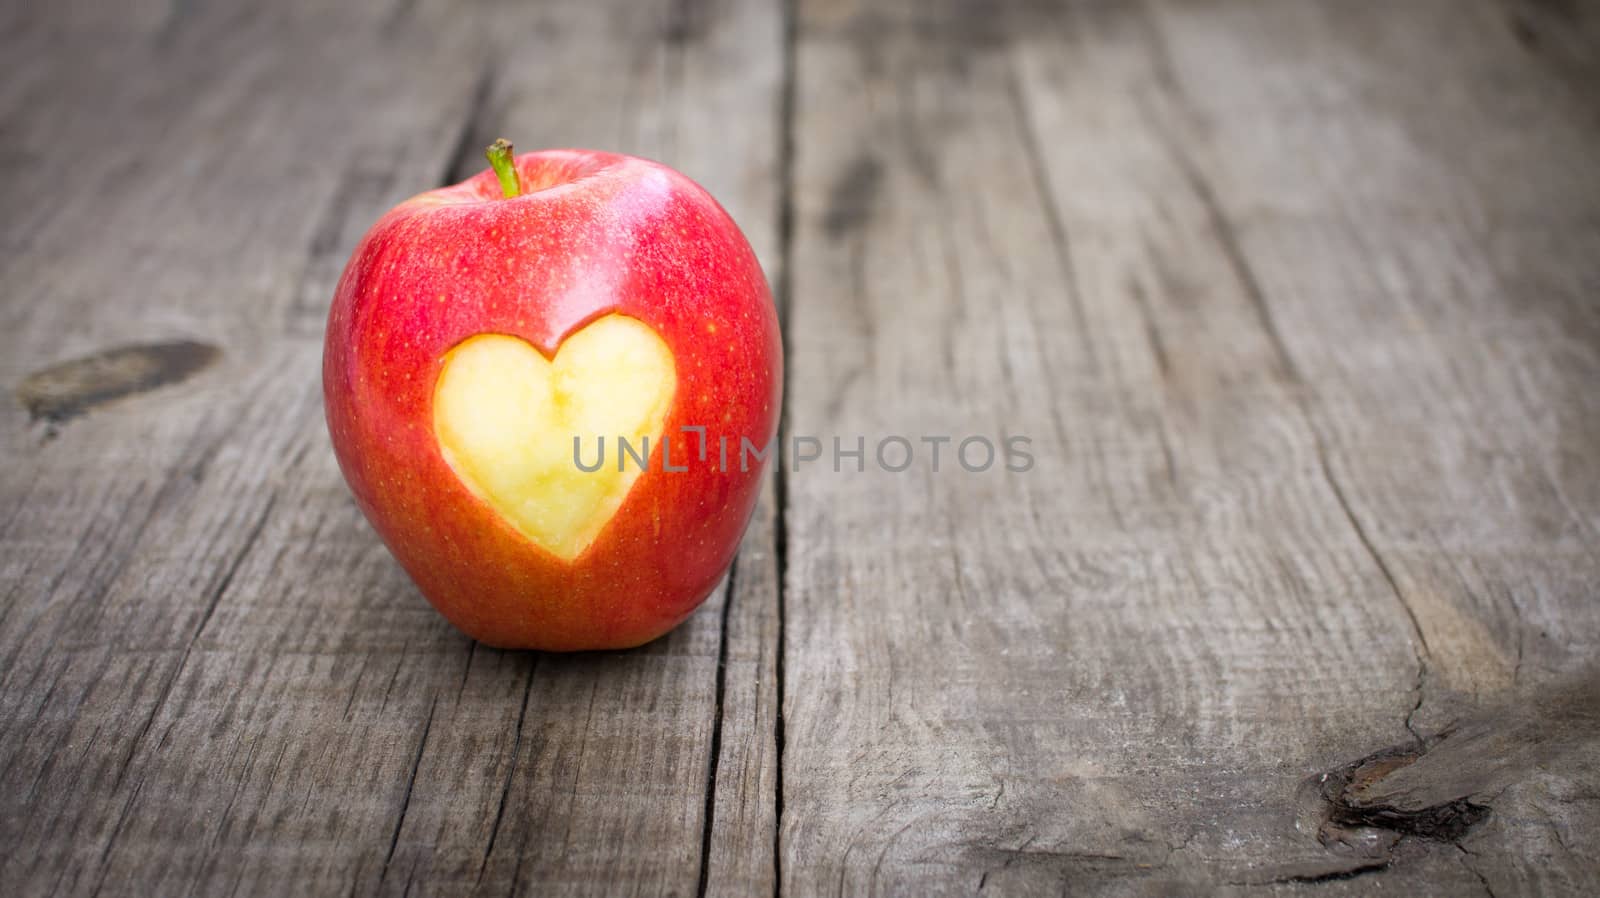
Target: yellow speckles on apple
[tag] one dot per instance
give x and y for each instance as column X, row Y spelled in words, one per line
column 505, row 418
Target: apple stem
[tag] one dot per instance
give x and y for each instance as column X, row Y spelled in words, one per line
column 505, row 167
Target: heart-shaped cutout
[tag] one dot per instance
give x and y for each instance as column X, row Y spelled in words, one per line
column 506, row 417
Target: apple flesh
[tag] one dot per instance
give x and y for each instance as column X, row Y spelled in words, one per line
column 481, row 328
column 505, row 418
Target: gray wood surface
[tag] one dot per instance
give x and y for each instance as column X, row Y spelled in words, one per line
column 1297, row 303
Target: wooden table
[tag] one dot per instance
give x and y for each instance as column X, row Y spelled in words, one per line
column 1299, row 304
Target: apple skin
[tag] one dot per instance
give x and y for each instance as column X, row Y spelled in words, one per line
column 593, row 233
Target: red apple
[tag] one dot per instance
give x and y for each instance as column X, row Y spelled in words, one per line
column 480, row 328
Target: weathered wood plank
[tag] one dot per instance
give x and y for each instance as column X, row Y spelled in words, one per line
column 1293, row 299
column 215, row 678
column 1433, row 300
column 1088, row 225
column 187, row 206
column 743, row 826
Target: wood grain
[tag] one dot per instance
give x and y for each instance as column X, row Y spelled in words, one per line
column 215, row 678
column 1295, row 302
column 1148, row 236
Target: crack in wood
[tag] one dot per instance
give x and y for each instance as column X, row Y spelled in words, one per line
column 1060, row 239
column 1336, row 875
column 411, row 782
column 1420, row 650
column 715, row 758
column 787, row 117
column 511, row 771
column 1244, row 274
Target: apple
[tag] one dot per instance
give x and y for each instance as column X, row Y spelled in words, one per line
column 485, row 336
